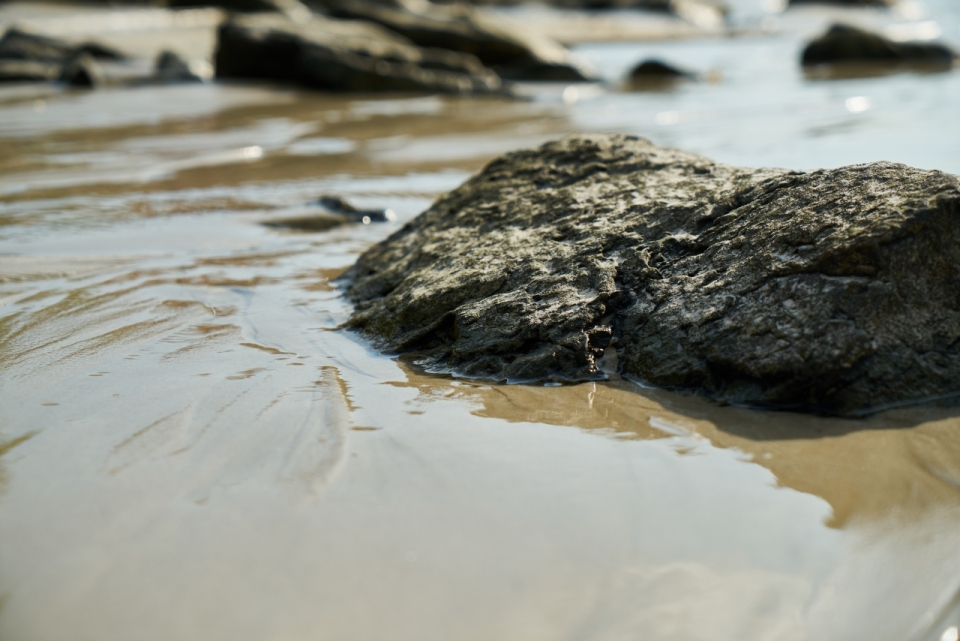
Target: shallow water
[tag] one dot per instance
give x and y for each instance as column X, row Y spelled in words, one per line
column 190, row 448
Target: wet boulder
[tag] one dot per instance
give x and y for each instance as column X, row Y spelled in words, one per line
column 844, row 44
column 514, row 53
column 831, row 291
column 343, row 55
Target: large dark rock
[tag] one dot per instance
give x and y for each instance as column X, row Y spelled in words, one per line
column 514, row 53
column 343, row 55
column 833, row 290
column 843, row 44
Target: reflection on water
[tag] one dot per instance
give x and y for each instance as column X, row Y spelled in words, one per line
column 897, row 465
column 190, row 446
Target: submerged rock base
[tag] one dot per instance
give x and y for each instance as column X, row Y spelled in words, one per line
column 832, row 291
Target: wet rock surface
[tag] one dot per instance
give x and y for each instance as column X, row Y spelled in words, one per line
column 342, row 55
column 844, row 44
column 514, row 53
column 833, row 291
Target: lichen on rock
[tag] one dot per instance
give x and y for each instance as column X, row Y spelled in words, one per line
column 833, row 291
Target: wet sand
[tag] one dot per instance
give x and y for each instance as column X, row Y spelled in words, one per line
column 191, row 448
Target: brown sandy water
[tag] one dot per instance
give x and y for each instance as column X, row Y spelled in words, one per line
column 191, row 449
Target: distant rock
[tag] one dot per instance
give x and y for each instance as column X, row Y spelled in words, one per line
column 843, row 44
column 21, row 45
column 26, row 56
column 703, row 13
column 82, row 71
column 343, row 207
column 28, row 70
column 829, row 291
column 343, row 55
column 293, row 9
column 337, row 211
column 656, row 74
column 233, row 5
column 170, row 67
column 513, row 52
column 846, row 3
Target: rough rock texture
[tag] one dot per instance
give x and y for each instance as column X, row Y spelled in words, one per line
column 846, row 44
column 343, row 55
column 514, row 53
column 832, row 290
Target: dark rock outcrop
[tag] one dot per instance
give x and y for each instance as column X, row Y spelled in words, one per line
column 26, row 56
column 343, row 55
column 833, row 290
column 843, row 44
column 514, row 53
